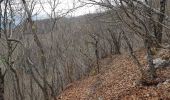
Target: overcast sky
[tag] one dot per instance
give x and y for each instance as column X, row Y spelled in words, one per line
column 44, row 8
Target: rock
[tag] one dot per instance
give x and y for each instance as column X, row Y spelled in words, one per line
column 166, row 82
column 100, row 98
column 147, row 95
column 158, row 62
column 159, row 85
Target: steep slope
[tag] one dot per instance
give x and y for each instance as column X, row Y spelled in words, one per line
column 117, row 81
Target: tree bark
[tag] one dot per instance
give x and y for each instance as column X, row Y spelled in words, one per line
column 41, row 51
column 161, row 18
column 1, row 85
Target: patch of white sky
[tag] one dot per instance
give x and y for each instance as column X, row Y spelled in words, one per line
column 45, row 8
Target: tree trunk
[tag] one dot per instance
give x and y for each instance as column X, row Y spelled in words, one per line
column 152, row 70
column 149, row 79
column 97, row 56
column 161, row 19
column 1, row 85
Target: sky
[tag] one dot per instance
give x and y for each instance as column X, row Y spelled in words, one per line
column 43, row 8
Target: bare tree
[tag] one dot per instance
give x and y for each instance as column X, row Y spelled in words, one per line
column 135, row 12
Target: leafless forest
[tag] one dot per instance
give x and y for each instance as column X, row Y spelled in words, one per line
column 40, row 57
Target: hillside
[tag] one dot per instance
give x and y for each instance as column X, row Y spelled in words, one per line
column 118, row 80
column 120, row 50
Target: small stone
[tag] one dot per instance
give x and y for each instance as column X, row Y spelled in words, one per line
column 166, row 82
column 159, row 85
column 147, row 95
column 158, row 62
column 100, row 98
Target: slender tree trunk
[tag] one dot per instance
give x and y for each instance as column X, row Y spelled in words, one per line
column 31, row 88
column 152, row 70
column 41, row 51
column 1, row 85
column 116, row 42
column 0, row 20
column 97, row 56
column 161, row 19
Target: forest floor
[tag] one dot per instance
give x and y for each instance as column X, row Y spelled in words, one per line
column 118, row 80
